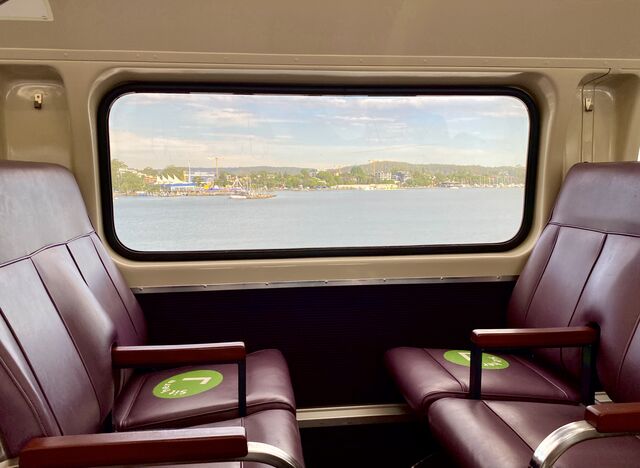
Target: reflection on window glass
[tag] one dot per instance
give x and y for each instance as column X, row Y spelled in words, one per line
column 215, row 171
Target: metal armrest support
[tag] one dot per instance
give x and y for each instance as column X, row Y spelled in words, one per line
column 269, row 455
column 188, row 354
column 518, row 338
column 565, row 437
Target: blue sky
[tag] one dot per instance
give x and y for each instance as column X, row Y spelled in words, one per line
column 320, row 132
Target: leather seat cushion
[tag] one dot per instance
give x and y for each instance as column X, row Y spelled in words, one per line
column 268, row 387
column 274, row 427
column 504, row 434
column 424, row 375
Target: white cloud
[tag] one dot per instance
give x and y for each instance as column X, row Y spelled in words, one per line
column 139, row 151
column 462, row 119
column 336, row 130
column 232, row 117
column 507, row 112
column 227, row 117
column 355, row 119
column 195, row 100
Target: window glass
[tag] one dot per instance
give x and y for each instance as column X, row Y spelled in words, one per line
column 257, row 171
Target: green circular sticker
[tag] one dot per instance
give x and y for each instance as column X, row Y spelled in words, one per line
column 187, row 384
column 462, row 357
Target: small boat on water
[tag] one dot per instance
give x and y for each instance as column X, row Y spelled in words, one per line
column 252, row 196
column 260, row 195
column 242, row 193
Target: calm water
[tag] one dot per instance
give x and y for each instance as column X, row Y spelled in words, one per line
column 320, row 219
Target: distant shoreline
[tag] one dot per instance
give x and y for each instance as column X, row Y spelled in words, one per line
column 363, row 188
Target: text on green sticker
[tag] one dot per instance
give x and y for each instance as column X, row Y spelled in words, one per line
column 187, row 384
column 462, row 357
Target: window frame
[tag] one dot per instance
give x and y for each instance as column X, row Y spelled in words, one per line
column 104, row 164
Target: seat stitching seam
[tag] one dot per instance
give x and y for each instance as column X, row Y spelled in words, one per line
column 507, row 424
column 35, row 375
column 183, row 418
column 24, row 395
column 584, row 286
column 46, row 247
column 207, row 413
column 531, row 368
column 601, row 231
column 445, row 369
column 73, row 340
column 106, row 270
column 514, row 398
column 141, row 382
column 544, row 269
column 626, row 351
column 246, row 435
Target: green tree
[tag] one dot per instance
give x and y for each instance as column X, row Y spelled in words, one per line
column 129, row 183
column 116, row 165
column 328, row 177
column 150, row 171
column 117, row 168
column 174, row 171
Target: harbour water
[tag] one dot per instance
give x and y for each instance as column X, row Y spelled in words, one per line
column 325, row 218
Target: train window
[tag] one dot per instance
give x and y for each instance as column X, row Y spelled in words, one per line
column 259, row 172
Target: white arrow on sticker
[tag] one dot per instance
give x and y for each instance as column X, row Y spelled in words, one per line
column 203, row 380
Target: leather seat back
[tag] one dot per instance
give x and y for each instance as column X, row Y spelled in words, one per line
column 46, row 207
column 624, row 383
column 585, row 268
column 56, row 282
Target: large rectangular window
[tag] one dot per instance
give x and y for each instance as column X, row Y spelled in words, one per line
column 256, row 172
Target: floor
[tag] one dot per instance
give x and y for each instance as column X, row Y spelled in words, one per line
column 402, row 445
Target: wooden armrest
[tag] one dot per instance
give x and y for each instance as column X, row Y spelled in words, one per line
column 177, row 355
column 614, row 417
column 512, row 338
column 534, row 337
column 133, row 448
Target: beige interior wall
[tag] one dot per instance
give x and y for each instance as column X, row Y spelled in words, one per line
column 616, row 128
column 92, row 47
column 3, row 137
column 412, row 28
column 31, row 134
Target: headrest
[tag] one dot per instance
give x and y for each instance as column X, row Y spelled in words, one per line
column 40, row 205
column 602, row 197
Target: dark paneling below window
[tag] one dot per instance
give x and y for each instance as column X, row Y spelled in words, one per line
column 333, row 338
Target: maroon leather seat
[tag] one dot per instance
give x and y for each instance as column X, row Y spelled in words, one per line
column 268, row 387
column 590, row 240
column 424, row 376
column 504, row 434
column 50, row 211
column 67, row 316
column 275, row 427
column 599, row 206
